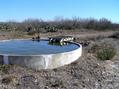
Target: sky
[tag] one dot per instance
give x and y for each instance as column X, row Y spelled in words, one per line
column 19, row 10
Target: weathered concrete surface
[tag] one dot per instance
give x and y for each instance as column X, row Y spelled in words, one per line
column 46, row 61
column 61, row 59
column 1, row 59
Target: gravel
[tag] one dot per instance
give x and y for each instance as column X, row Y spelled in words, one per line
column 85, row 73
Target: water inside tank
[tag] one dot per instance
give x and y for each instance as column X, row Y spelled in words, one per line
column 29, row 47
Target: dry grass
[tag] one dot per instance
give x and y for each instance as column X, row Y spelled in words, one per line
column 87, row 72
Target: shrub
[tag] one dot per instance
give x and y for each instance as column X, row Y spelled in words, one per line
column 31, row 33
column 115, row 35
column 106, row 53
column 4, row 68
column 8, row 80
column 17, row 34
column 51, row 29
column 94, row 48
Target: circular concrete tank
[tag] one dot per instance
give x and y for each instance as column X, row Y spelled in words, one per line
column 43, row 61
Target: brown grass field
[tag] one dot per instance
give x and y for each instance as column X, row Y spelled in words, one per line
column 86, row 73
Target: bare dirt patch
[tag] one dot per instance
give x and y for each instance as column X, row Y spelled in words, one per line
column 85, row 73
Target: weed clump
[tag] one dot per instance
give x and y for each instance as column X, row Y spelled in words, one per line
column 8, row 80
column 4, row 69
column 103, row 51
column 115, row 35
column 106, row 53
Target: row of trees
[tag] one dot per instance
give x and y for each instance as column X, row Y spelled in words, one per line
column 32, row 26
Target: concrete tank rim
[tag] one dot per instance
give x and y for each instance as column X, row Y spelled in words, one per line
column 80, row 47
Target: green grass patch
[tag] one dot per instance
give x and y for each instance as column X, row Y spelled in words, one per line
column 106, row 53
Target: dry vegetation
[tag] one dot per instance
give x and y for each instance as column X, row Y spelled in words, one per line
column 86, row 73
column 35, row 26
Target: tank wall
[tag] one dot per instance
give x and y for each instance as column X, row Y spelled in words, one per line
column 1, row 59
column 46, row 61
column 35, row 62
column 61, row 59
column 43, row 61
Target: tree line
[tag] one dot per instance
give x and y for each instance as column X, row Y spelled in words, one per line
column 32, row 26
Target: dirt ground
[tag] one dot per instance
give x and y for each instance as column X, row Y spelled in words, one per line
column 85, row 73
